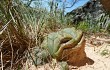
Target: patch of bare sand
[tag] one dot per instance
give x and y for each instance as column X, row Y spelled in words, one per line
column 100, row 62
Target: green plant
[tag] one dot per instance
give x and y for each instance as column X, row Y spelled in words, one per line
column 105, row 52
column 84, row 26
column 87, row 27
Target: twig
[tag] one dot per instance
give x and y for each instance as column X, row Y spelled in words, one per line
column 1, row 52
column 4, row 27
column 31, row 56
column 1, row 60
column 73, row 4
column 11, row 48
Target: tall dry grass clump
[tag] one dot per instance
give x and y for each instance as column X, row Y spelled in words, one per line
column 13, row 38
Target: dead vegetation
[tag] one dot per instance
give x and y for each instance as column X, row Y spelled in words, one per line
column 13, row 38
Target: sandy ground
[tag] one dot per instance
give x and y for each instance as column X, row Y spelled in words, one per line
column 93, row 52
column 100, row 62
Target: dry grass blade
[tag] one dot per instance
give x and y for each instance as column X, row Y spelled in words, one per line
column 2, row 60
column 1, row 53
column 4, row 27
column 11, row 48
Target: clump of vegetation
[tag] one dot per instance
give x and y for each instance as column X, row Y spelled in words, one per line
column 87, row 27
column 13, row 35
column 105, row 52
